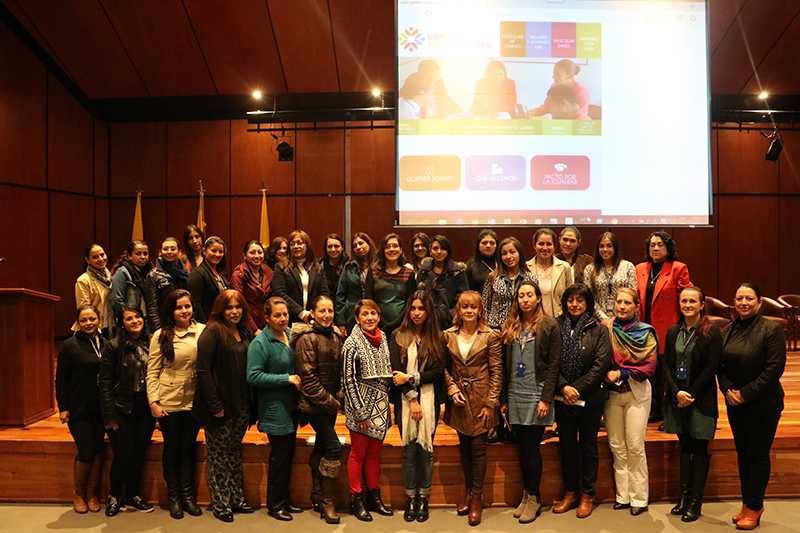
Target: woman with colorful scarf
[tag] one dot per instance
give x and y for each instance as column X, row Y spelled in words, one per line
column 585, row 358
column 367, row 371
column 93, row 287
column 635, row 346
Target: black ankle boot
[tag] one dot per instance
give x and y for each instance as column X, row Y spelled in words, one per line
column 692, row 513
column 422, row 512
column 358, row 509
column 188, row 504
column 375, row 503
column 175, row 509
column 686, row 484
column 410, row 513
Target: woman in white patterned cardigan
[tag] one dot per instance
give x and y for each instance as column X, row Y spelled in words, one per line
column 367, row 379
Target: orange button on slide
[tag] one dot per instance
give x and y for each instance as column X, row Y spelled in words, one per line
column 430, row 172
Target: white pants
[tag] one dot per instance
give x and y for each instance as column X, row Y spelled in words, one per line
column 626, row 425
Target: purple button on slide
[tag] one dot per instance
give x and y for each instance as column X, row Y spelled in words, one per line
column 495, row 172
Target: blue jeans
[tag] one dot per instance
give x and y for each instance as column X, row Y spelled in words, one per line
column 417, row 462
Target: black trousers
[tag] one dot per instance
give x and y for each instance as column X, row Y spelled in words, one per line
column 753, row 433
column 691, row 445
column 279, row 475
column 473, row 460
column 530, row 458
column 577, row 442
column 178, row 460
column 327, row 442
column 129, row 442
column 88, row 434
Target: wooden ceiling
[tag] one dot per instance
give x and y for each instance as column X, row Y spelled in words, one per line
column 115, row 49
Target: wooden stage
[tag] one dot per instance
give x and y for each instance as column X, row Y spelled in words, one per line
column 36, row 463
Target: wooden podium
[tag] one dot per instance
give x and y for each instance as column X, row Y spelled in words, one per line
column 27, row 361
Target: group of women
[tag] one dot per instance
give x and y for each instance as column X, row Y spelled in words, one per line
column 276, row 347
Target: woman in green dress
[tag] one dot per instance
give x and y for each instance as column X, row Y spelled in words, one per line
column 691, row 359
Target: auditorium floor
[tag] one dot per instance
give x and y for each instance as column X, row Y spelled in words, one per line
column 780, row 516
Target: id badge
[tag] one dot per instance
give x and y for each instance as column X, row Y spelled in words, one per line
column 610, row 304
column 521, row 369
column 141, row 386
column 681, row 372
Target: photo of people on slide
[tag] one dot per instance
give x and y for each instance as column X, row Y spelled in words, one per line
column 499, row 88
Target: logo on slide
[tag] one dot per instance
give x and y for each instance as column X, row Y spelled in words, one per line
column 496, row 169
column 561, row 167
column 411, row 39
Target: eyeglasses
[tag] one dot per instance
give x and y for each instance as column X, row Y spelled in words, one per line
column 392, row 247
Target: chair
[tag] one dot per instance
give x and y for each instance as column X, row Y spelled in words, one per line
column 779, row 313
column 792, row 301
column 720, row 313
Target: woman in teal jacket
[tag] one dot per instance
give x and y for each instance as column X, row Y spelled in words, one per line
column 270, row 370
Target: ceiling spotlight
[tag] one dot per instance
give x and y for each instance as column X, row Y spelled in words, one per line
column 763, row 95
column 257, row 94
column 376, row 92
column 775, row 145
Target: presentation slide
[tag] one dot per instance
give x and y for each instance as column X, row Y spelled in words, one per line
column 531, row 112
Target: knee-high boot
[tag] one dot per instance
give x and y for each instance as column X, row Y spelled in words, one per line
column 316, row 480
column 93, row 484
column 700, row 464
column 329, row 471
column 686, row 484
column 81, row 475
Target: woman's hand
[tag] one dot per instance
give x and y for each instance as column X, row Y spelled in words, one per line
column 113, row 426
column 364, row 425
column 459, row 399
column 542, row 409
column 734, row 397
column 684, row 399
column 416, row 410
column 157, row 411
column 295, row 380
column 306, row 317
column 486, row 416
column 613, row 376
column 342, row 331
column 63, row 416
column 570, row 394
column 504, row 409
column 220, row 414
column 399, row 378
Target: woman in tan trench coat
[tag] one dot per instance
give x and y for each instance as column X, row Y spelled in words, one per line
column 474, row 379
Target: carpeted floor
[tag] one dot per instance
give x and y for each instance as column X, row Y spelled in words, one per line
column 780, row 516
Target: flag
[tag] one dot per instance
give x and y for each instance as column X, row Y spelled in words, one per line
column 138, row 227
column 263, row 234
column 201, row 214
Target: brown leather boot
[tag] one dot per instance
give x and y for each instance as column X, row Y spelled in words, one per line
column 585, row 507
column 739, row 515
column 475, row 509
column 79, row 492
column 93, row 485
column 566, row 504
column 330, row 471
column 463, row 506
column 750, row 520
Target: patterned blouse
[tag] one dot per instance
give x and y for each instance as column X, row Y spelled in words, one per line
column 499, row 295
column 605, row 287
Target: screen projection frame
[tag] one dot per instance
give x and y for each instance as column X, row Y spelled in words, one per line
column 456, row 219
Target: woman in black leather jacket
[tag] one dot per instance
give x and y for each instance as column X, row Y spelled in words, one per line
column 125, row 410
column 585, row 359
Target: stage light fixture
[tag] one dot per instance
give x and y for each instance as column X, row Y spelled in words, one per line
column 376, row 92
column 257, row 94
column 284, row 149
column 775, row 145
column 763, row 95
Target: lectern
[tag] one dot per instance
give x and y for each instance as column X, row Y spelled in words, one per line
column 27, row 365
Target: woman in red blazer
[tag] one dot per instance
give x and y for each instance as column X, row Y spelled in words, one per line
column 660, row 280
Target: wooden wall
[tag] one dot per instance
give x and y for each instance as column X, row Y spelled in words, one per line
column 755, row 201
column 53, row 179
